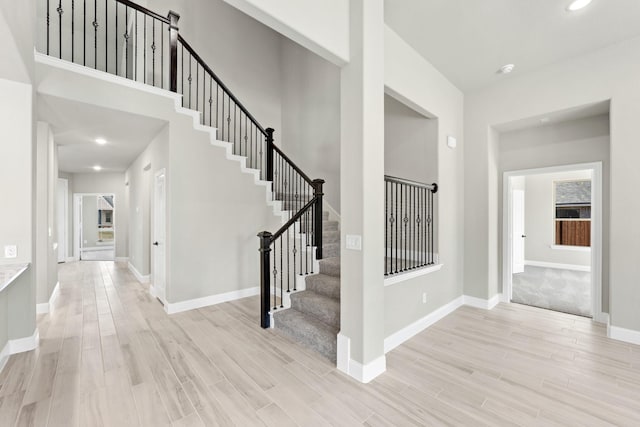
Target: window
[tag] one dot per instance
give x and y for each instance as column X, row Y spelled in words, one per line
column 572, row 212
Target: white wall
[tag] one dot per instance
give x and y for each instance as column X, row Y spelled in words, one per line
column 410, row 143
column 322, row 27
column 610, row 73
column 412, row 80
column 17, row 30
column 108, row 183
column 540, row 224
column 140, row 200
column 69, row 178
column 311, row 116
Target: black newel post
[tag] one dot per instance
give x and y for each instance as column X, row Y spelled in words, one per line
column 317, row 227
column 173, row 51
column 269, row 147
column 265, row 284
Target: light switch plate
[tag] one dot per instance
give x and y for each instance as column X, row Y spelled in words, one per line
column 451, row 142
column 354, row 242
column 10, row 251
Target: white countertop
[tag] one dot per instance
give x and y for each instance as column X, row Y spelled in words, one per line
column 9, row 273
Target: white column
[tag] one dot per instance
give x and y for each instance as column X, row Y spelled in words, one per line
column 361, row 338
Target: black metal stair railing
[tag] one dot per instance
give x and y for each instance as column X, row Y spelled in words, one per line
column 409, row 225
column 128, row 40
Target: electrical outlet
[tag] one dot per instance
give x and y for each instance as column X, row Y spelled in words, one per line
column 354, row 242
column 424, row 297
column 10, row 251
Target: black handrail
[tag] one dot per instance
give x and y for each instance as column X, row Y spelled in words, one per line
column 293, row 165
column 220, row 83
column 144, row 10
column 293, row 219
column 433, row 187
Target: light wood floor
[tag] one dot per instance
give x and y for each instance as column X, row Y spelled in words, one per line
column 110, row 356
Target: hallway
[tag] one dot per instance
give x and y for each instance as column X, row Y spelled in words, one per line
column 109, row 355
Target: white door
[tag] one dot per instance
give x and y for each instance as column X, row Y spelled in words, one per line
column 159, row 234
column 518, row 231
column 62, row 216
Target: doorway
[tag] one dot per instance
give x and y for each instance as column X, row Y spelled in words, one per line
column 552, row 238
column 94, row 227
column 62, row 216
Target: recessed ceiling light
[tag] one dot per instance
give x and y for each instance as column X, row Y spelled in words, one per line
column 97, row 168
column 506, row 69
column 101, row 141
column 578, row 4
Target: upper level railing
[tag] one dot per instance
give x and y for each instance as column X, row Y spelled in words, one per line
column 409, row 225
column 125, row 39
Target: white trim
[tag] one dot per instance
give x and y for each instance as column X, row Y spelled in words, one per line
column 403, row 277
column 142, row 279
column 545, row 264
column 571, row 248
column 122, row 259
column 408, row 332
column 71, row 259
column 362, row 373
column 596, row 228
column 485, row 304
column 110, row 247
column 20, row 345
column 48, row 307
column 4, row 356
column 602, row 318
column 622, row 334
column 192, row 304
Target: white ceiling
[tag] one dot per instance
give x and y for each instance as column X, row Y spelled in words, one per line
column 469, row 40
column 76, row 126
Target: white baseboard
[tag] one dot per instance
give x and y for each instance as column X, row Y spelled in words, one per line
column 408, row 332
column 122, row 259
column 142, row 279
column 601, row 318
column 19, row 345
column 482, row 303
column 48, row 307
column 4, row 356
column 545, row 264
column 621, row 334
column 177, row 307
column 362, row 373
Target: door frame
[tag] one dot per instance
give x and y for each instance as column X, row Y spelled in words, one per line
column 77, row 222
column 160, row 294
column 596, row 230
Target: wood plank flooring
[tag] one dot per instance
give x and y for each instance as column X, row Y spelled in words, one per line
column 110, row 356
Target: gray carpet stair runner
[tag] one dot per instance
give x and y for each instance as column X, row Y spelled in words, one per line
column 314, row 317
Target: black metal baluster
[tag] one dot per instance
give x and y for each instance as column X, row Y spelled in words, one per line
column 144, row 53
column 73, row 25
column 431, row 225
column 397, row 226
column 275, row 278
column 413, row 227
column 135, row 51
column 204, row 94
column 313, row 235
column 210, row 100
column 95, row 34
column 126, row 41
column 386, row 224
column 153, row 52
column 289, row 264
column 84, row 32
column 60, row 12
column 48, row 24
column 222, row 116
column 281, row 271
column 161, row 54
column 189, row 80
column 217, row 103
column 197, row 81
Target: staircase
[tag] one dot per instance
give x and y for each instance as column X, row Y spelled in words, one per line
column 137, row 44
column 314, row 316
